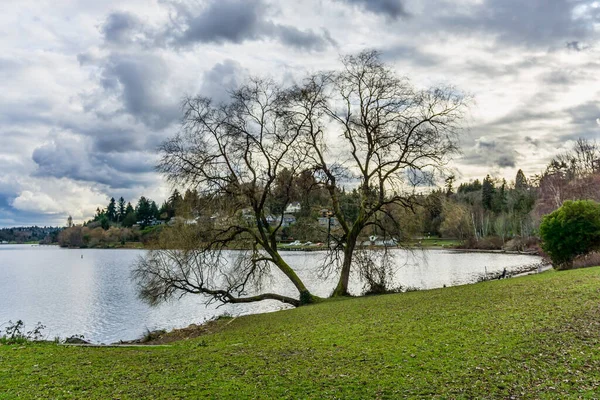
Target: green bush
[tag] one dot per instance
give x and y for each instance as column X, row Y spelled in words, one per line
column 570, row 231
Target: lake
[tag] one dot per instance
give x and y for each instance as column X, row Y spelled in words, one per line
column 88, row 292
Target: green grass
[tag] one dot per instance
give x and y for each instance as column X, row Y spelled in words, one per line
column 532, row 337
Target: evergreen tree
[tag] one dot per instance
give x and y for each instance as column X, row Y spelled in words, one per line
column 99, row 214
column 129, row 209
column 121, row 209
column 500, row 199
column 175, row 201
column 104, row 223
column 143, row 210
column 521, row 181
column 154, row 210
column 129, row 220
column 487, row 193
column 474, row 186
column 111, row 210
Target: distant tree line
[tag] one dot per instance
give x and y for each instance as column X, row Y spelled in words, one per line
column 120, row 222
column 44, row 234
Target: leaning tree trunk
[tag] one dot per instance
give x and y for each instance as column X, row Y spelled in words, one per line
column 305, row 296
column 342, row 287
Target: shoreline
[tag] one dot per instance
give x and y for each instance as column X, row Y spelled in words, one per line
column 311, row 249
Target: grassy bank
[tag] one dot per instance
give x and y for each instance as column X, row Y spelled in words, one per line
column 531, row 337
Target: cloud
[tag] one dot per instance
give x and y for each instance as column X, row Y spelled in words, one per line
column 412, row 54
column 221, row 79
column 224, row 21
column 393, row 9
column 68, row 156
column 527, row 23
column 491, row 152
column 303, row 40
column 37, row 202
column 506, row 160
column 52, row 200
column 238, row 21
column 139, row 80
column 120, row 27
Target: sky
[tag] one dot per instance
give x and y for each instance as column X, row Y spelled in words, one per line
column 89, row 89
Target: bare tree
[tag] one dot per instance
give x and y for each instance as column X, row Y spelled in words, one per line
column 363, row 124
column 389, row 137
column 572, row 175
column 233, row 154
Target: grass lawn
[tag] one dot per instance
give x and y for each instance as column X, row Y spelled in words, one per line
column 532, row 337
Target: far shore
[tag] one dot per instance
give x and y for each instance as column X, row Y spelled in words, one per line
column 286, row 248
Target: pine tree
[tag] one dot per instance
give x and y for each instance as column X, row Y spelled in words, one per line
column 144, row 211
column 487, row 193
column 121, row 209
column 500, row 199
column 175, row 201
column 111, row 210
column 521, row 181
column 154, row 210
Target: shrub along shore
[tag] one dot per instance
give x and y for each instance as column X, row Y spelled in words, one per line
column 531, row 337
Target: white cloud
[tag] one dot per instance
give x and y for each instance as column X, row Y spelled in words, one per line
column 38, row 202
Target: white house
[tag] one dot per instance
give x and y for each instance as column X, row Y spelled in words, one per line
column 293, row 208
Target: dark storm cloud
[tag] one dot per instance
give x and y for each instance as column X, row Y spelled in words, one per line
column 506, row 160
column 67, row 158
column 303, row 40
column 391, row 8
column 237, row 21
column 111, row 137
column 117, row 141
column 493, row 152
column 225, row 21
column 139, row 81
column 132, row 163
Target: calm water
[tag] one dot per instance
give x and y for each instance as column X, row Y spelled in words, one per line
column 93, row 295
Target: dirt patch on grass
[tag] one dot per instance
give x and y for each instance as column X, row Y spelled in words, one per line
column 193, row 331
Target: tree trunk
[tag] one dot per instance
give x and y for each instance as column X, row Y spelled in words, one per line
column 342, row 286
column 305, row 296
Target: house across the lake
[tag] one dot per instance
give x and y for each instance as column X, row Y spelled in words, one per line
column 293, row 208
column 286, row 220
